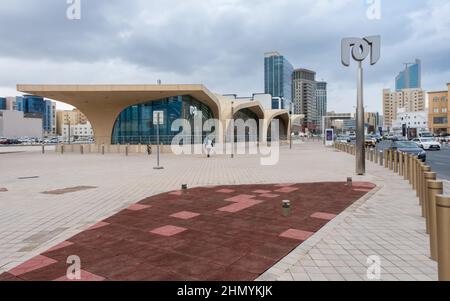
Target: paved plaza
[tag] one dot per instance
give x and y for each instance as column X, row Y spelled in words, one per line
column 47, row 199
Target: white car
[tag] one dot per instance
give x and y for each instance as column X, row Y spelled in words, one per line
column 427, row 143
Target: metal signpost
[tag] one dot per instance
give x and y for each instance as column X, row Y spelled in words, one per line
column 360, row 49
column 158, row 119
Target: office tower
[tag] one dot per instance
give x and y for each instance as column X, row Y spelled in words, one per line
column 278, row 77
column 37, row 107
column 321, row 98
column 410, row 77
column 304, row 88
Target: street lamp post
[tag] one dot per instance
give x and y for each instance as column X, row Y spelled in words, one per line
column 360, row 49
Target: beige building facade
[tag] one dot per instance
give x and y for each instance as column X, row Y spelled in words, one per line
column 439, row 111
column 73, row 117
column 412, row 100
column 105, row 105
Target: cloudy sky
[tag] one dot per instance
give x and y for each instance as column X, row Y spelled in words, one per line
column 219, row 43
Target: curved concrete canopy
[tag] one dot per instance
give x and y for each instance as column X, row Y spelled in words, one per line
column 254, row 106
column 281, row 114
column 102, row 104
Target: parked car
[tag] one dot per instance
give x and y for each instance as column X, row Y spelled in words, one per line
column 405, row 147
column 410, row 148
column 370, row 141
column 427, row 143
column 343, row 139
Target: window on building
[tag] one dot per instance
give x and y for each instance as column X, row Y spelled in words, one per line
column 435, row 99
column 440, row 120
column 444, row 110
column 436, row 110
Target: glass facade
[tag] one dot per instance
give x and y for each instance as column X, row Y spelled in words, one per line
column 37, row 107
column 278, row 77
column 135, row 124
column 2, row 103
column 410, row 78
column 246, row 114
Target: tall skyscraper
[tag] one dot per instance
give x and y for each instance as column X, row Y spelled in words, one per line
column 410, row 78
column 278, row 77
column 321, row 98
column 304, row 88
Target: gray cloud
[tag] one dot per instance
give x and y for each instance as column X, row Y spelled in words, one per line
column 219, row 43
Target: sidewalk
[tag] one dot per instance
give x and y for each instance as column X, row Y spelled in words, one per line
column 388, row 224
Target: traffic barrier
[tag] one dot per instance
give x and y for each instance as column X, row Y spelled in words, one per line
column 401, row 167
column 443, row 236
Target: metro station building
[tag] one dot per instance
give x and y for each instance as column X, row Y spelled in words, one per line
column 123, row 114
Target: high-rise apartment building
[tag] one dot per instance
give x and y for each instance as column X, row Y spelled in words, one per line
column 439, row 111
column 321, row 99
column 411, row 77
column 304, row 88
column 278, row 77
column 72, row 117
column 412, row 100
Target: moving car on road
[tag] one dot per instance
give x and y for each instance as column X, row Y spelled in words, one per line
column 427, row 143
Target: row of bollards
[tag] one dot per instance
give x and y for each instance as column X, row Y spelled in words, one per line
column 435, row 206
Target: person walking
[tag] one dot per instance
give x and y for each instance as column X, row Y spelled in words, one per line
column 208, row 144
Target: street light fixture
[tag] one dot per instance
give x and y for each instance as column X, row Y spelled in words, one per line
column 360, row 49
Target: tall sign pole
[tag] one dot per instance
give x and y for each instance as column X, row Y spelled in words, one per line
column 159, row 118
column 360, row 49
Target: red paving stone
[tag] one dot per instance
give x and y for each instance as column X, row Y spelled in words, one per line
column 185, row 215
column 60, row 246
column 262, row 191
column 236, row 207
column 323, row 215
column 98, row 225
column 168, row 230
column 225, row 190
column 296, row 234
column 269, row 195
column 286, row 189
column 137, row 207
column 31, row 265
column 225, row 241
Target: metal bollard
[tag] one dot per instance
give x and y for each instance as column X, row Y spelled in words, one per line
column 391, row 160
column 286, row 206
column 375, row 154
column 81, row 149
column 103, row 149
column 428, row 176
column 43, row 148
column 443, row 236
column 349, row 182
column 401, row 165
column 414, row 177
column 395, row 161
column 435, row 188
column 381, row 154
column 423, row 170
column 386, row 160
column 126, row 150
column 411, row 170
column 62, row 149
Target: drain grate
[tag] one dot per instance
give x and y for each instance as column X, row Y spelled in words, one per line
column 69, row 190
column 26, row 178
